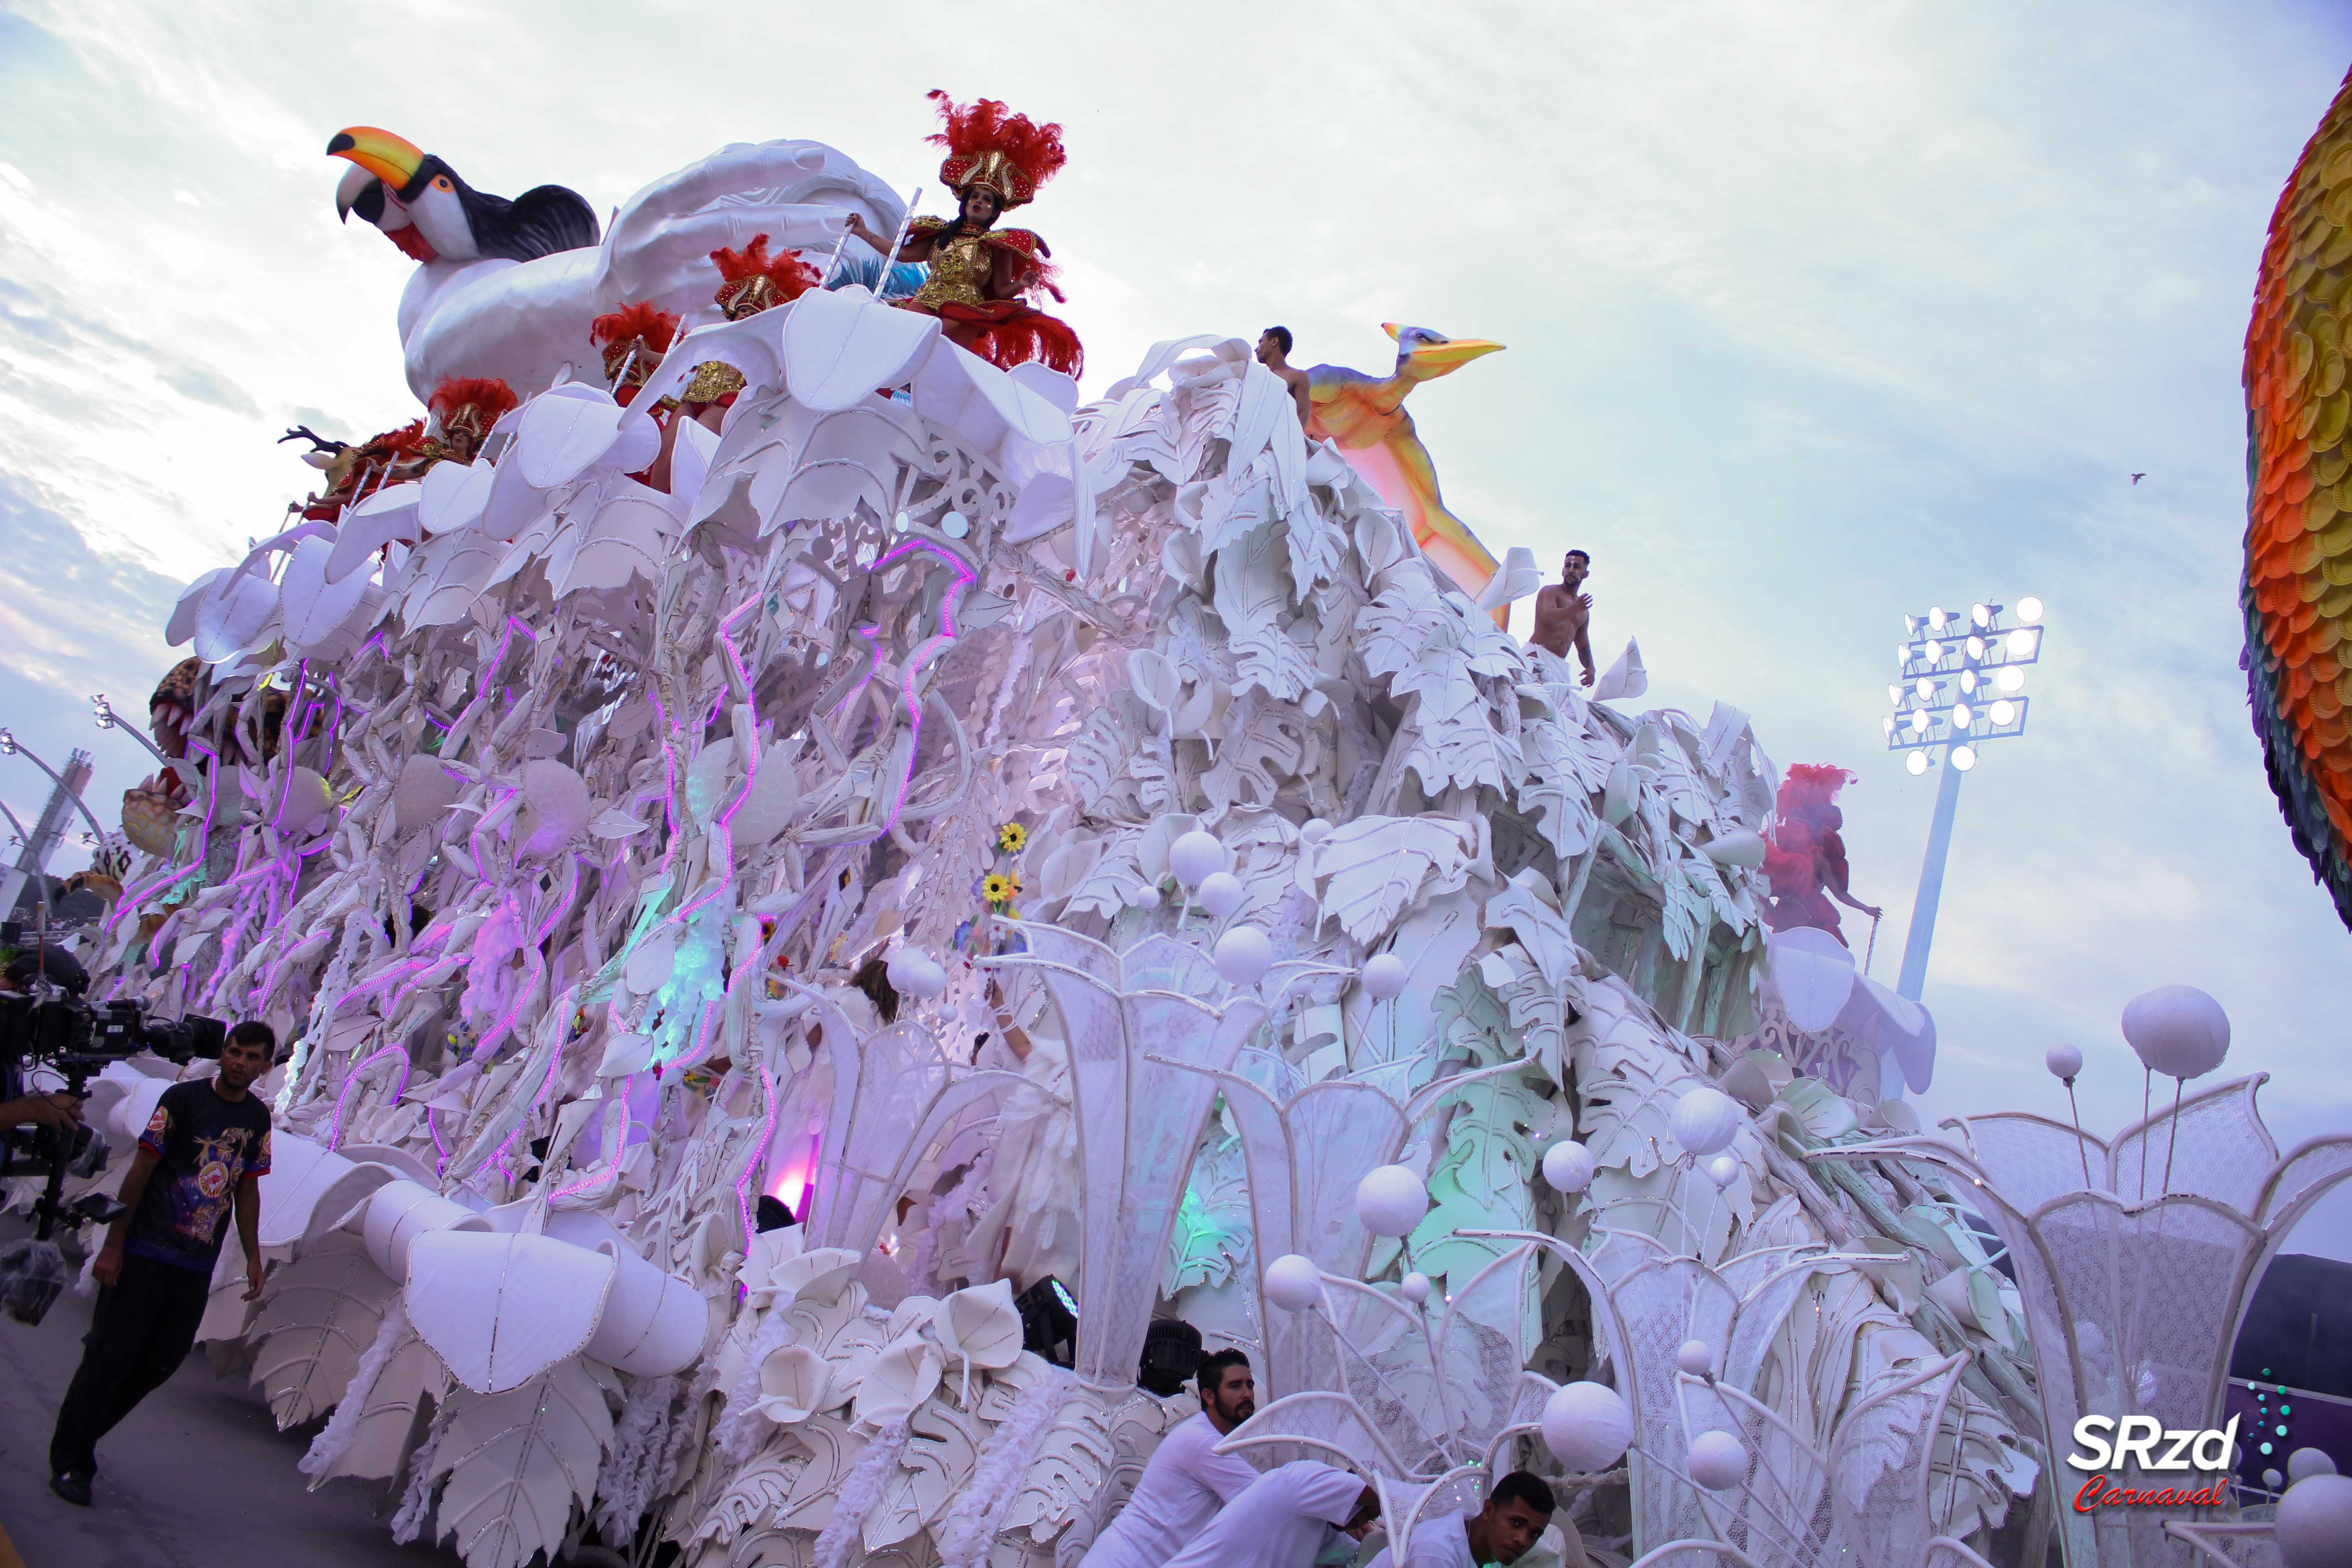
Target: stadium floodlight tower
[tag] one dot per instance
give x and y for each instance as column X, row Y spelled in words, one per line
column 1962, row 683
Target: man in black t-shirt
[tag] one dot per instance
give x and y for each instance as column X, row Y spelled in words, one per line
column 201, row 1159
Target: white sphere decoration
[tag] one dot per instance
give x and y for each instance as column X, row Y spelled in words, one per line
column 1196, row 857
column 2273, row 1479
column 1293, row 1282
column 1695, row 1357
column 1243, row 955
column 1587, row 1427
column 1392, row 1199
column 915, row 973
column 1705, row 1121
column 1723, row 1170
column 1414, row 1288
column 1221, row 893
column 1718, row 1461
column 2307, row 1462
column 1385, row 976
column 2315, row 1522
column 1568, row 1166
column 1148, row 897
column 2178, row 1030
column 2063, row 1062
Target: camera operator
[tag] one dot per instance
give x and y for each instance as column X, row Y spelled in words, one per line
column 204, row 1154
column 61, row 1110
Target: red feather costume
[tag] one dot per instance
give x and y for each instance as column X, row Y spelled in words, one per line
column 1805, row 858
column 981, row 283
column 467, row 407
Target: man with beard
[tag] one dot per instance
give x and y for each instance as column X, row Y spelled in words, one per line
column 1289, row 1518
column 1187, row 1482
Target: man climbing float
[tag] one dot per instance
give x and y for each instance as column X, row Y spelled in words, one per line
column 981, row 275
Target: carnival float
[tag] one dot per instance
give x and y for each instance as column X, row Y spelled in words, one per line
column 842, row 913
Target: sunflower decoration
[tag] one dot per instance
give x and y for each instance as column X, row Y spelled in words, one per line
column 999, row 887
column 1010, row 837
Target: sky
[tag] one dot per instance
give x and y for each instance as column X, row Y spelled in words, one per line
column 1815, row 314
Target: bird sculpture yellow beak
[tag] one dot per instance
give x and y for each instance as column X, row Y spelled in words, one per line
column 1444, row 355
column 389, row 158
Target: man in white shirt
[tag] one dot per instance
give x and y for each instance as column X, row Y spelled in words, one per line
column 1186, row 1482
column 1286, row 1518
column 1513, row 1519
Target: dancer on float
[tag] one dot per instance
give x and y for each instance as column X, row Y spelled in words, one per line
column 981, row 275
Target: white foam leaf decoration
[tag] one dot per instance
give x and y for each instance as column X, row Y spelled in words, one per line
column 317, row 1321
column 500, row 1310
column 517, row 1462
column 1367, row 871
column 839, row 345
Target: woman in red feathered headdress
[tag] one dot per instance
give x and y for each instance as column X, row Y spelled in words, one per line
column 1805, row 856
column 982, row 276
column 634, row 339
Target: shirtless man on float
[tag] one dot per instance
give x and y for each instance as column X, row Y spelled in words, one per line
column 1273, row 352
column 1564, row 616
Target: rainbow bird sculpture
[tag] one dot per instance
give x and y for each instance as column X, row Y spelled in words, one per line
column 1365, row 414
column 2297, row 592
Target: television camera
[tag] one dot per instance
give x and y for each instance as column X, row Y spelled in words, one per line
column 49, row 1027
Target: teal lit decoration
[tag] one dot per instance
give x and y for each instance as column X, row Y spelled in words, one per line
column 697, row 977
column 1062, row 1296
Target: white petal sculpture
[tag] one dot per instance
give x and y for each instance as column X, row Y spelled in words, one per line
column 499, row 1309
column 1814, row 973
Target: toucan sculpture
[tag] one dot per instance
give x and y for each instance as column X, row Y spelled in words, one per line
column 506, row 290
column 1365, row 414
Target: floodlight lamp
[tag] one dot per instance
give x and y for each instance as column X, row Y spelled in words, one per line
column 1890, row 726
column 1933, row 652
column 1935, row 616
column 1976, row 646
column 1923, row 689
column 1910, row 626
column 1980, row 614
column 1916, row 763
column 1969, row 681
column 1964, row 757
column 1894, row 693
column 1918, row 720
column 1902, row 655
column 2028, row 610
column 2003, row 711
column 2022, row 642
column 2010, row 680
column 7, row 745
column 1962, row 716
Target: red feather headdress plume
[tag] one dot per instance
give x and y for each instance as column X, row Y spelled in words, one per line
column 989, row 146
column 487, row 399
column 1808, row 790
column 640, row 323
column 756, row 280
column 634, row 339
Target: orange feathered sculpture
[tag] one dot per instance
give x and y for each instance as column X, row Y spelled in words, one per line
column 2297, row 592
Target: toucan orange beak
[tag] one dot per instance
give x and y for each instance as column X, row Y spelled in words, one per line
column 388, row 157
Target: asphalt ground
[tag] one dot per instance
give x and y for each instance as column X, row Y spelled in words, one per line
column 197, row 1477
